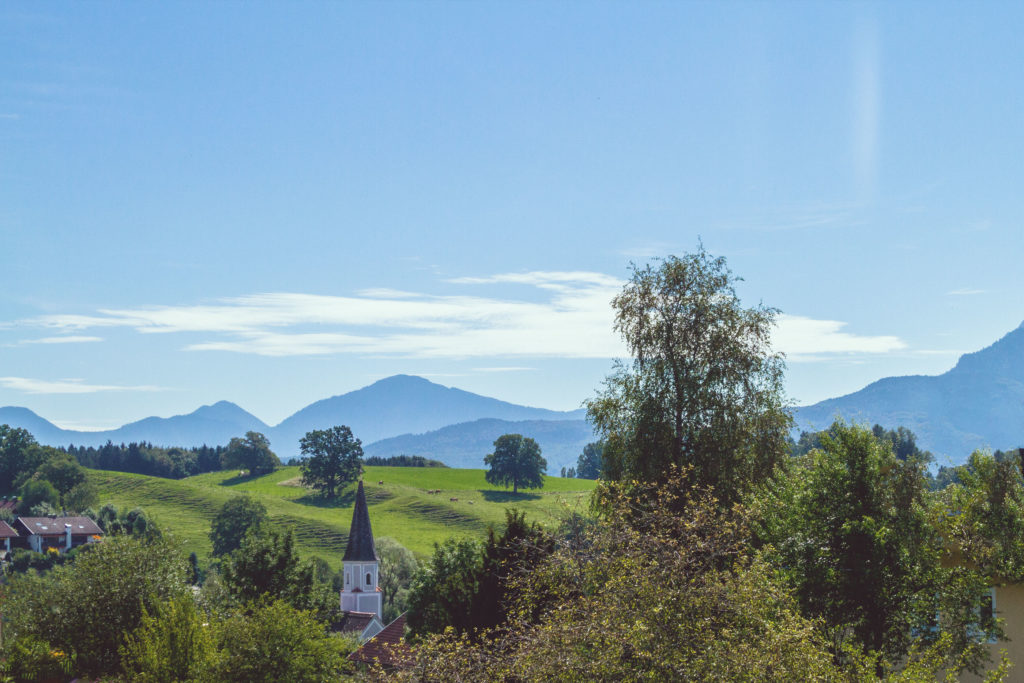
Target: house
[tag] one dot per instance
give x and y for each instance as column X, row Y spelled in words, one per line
column 62, row 533
column 7, row 532
column 366, row 624
column 386, row 649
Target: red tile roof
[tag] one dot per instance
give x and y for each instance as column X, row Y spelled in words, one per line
column 387, row 648
column 6, row 531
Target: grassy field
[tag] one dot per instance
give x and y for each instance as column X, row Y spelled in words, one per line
column 400, row 508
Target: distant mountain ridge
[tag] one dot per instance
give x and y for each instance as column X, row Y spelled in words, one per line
column 394, row 406
column 978, row 403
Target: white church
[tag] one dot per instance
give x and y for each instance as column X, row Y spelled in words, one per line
column 361, row 598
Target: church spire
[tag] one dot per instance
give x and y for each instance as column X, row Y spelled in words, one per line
column 360, row 536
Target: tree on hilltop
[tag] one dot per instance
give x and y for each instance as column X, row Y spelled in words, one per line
column 252, row 453
column 333, row 458
column 516, row 460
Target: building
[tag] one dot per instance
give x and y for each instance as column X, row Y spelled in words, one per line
column 61, row 533
column 360, row 592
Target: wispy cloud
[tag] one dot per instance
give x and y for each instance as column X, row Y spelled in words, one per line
column 572, row 318
column 967, row 291
column 65, row 386
column 512, row 368
column 70, row 339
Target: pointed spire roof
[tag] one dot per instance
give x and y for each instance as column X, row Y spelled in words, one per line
column 360, row 536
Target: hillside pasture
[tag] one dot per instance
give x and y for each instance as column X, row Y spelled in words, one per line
column 403, row 507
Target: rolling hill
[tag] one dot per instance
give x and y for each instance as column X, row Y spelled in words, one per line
column 978, row 403
column 400, row 507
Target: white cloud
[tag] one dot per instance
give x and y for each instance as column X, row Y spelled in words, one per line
column 70, row 339
column 64, row 386
column 572, row 319
column 966, row 291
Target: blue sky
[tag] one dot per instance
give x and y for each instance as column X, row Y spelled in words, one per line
column 275, row 203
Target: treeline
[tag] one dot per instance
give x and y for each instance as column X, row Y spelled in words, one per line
column 145, row 458
column 401, row 461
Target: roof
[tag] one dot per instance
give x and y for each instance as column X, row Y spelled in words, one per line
column 55, row 526
column 7, row 531
column 8, row 503
column 353, row 621
column 387, row 648
column 360, row 537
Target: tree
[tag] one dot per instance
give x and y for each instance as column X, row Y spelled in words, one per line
column 588, row 465
column 251, row 453
column 267, row 566
column 171, row 644
column 332, row 459
column 36, row 491
column 20, row 455
column 233, row 521
column 443, row 591
column 704, row 388
column 88, row 606
column 275, row 642
column 516, row 460
column 851, row 525
column 397, row 569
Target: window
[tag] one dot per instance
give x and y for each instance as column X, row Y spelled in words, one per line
column 367, row 578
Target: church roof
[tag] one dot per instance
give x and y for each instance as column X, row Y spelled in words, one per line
column 387, row 648
column 360, row 536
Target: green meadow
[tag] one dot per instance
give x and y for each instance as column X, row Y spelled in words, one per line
column 401, row 507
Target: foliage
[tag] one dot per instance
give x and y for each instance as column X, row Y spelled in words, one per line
column 36, row 491
column 32, row 659
column 266, row 566
column 81, row 497
column 250, row 453
column 233, row 521
column 332, row 458
column 133, row 522
column 171, row 644
column 401, row 461
column 444, row 588
column 988, row 524
column 646, row 595
column 396, row 571
column 588, row 465
column 20, row 455
column 704, row 388
column 275, row 642
column 516, row 460
column 854, row 530
column 145, row 458
column 87, row 606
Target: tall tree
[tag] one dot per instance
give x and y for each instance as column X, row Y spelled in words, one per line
column 20, row 455
column 252, row 453
column 588, row 465
column 516, row 460
column 704, row 387
column 233, row 521
column 332, row 458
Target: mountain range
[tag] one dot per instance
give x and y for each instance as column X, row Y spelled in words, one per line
column 399, row 406
column 978, row 403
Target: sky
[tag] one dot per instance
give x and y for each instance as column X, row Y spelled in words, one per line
column 272, row 203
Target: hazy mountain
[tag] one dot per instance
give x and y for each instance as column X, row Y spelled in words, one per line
column 978, row 403
column 397, row 405
column 466, row 444
column 210, row 425
column 401, row 404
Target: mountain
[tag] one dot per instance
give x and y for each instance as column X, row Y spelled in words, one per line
column 210, row 425
column 393, row 406
column 466, row 444
column 401, row 404
column 978, row 403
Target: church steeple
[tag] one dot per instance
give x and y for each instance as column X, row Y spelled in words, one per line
column 360, row 592
column 360, row 536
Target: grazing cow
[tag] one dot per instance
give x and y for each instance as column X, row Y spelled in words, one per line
column 454, row 500
column 380, row 483
column 470, row 502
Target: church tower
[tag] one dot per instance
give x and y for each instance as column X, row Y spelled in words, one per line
column 360, row 592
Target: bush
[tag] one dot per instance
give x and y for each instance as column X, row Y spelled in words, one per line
column 32, row 659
